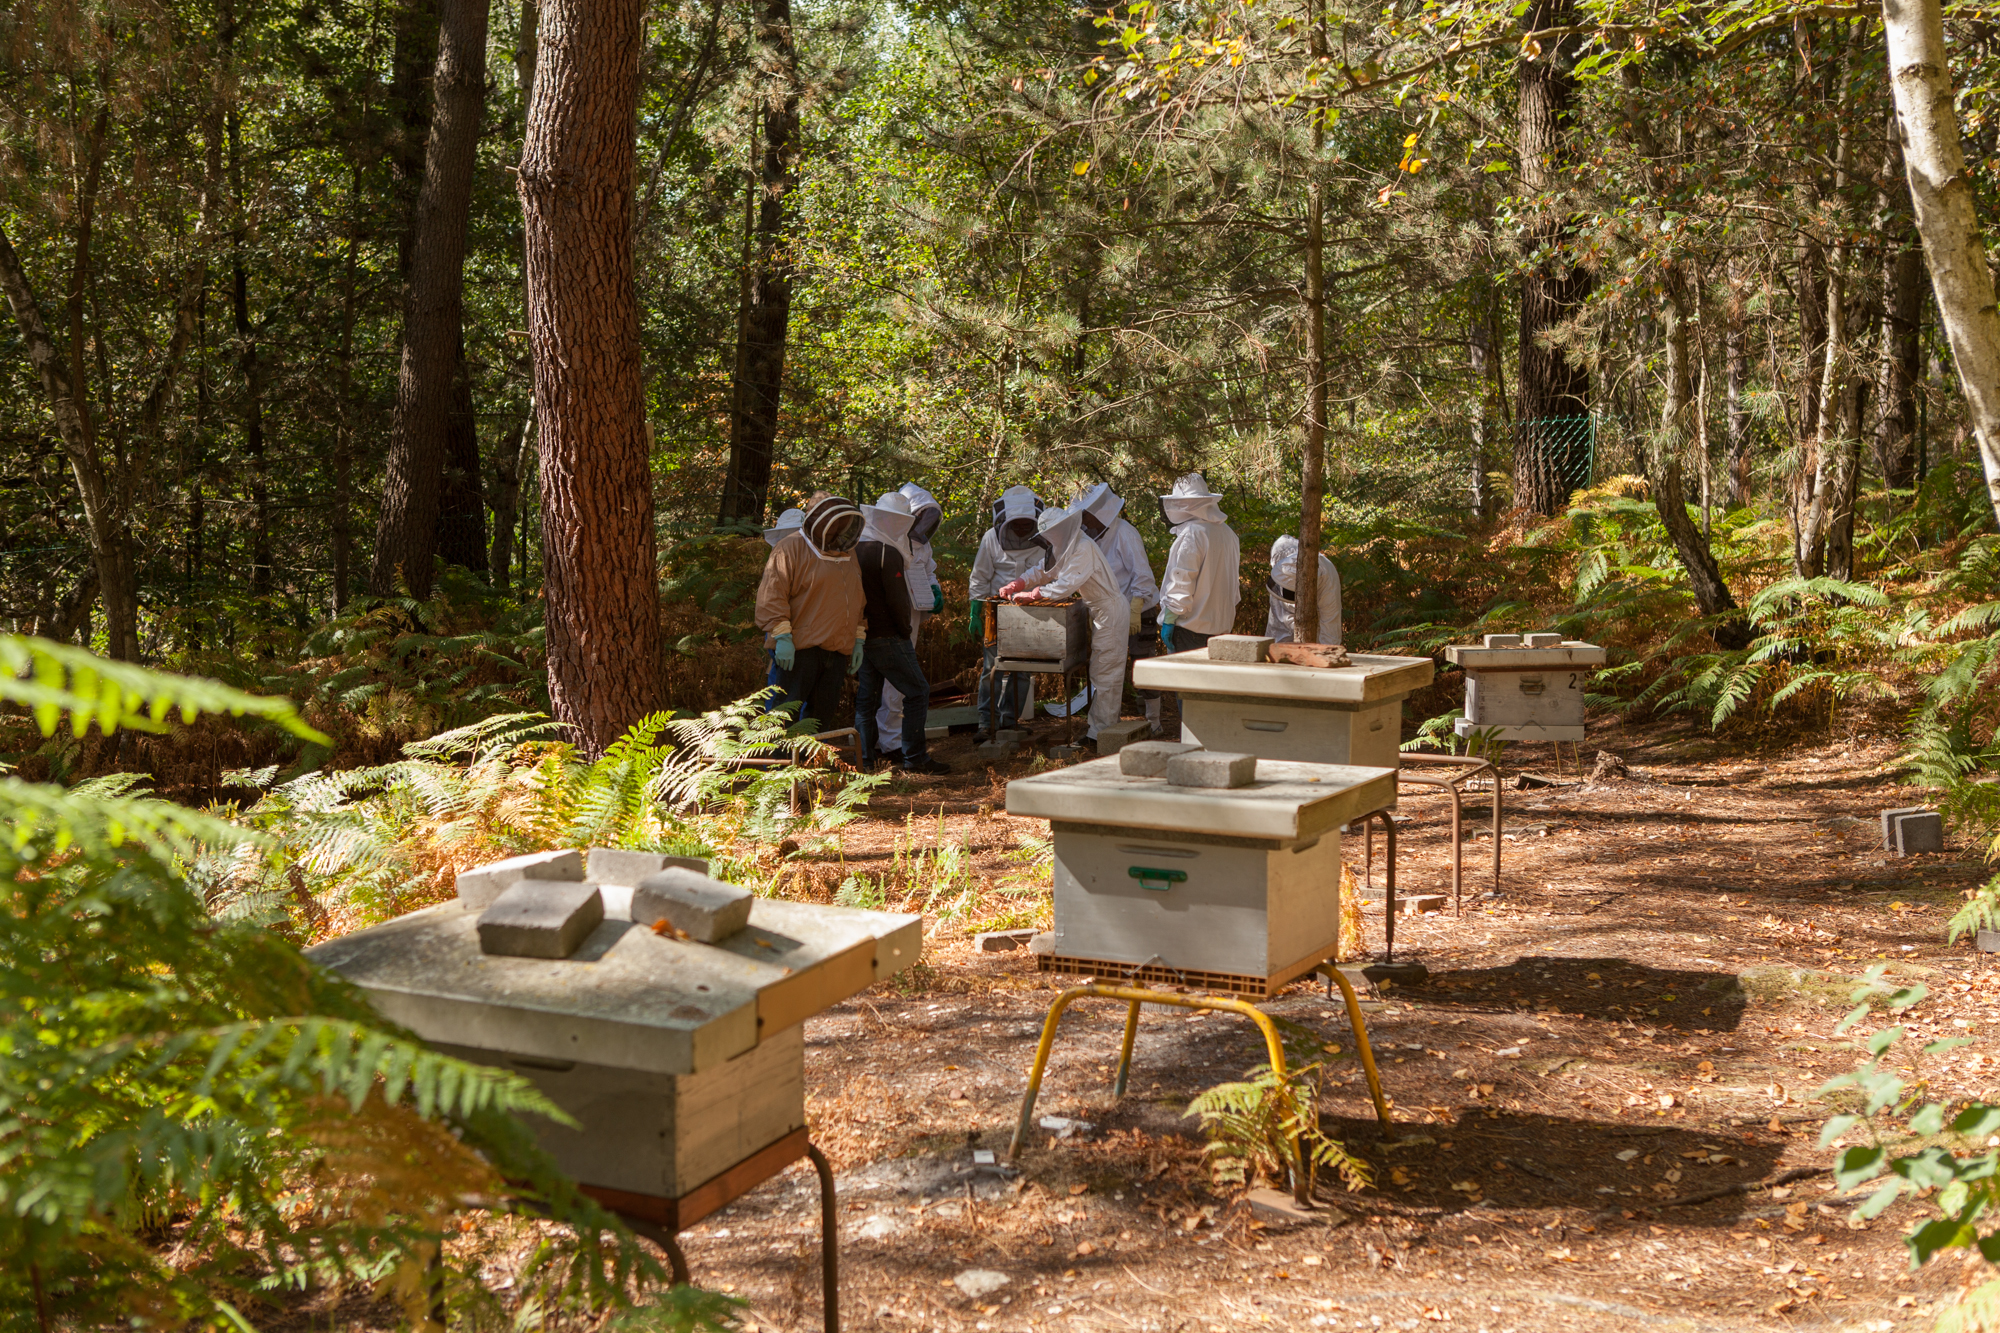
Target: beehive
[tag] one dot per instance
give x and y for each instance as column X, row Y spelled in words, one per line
column 1526, row 688
column 1233, row 889
column 1041, row 636
column 1278, row 710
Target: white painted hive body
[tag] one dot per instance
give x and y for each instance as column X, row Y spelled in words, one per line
column 1526, row 689
column 1036, row 637
column 679, row 1060
column 1232, row 889
column 1278, row 710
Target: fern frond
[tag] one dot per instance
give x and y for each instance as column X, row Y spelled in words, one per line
column 54, row 680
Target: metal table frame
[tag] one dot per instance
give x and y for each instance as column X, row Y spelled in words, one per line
column 1452, row 784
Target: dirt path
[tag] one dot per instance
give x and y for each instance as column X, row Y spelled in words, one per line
column 1642, row 1016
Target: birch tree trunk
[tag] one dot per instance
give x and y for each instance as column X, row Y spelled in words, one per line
column 1942, row 199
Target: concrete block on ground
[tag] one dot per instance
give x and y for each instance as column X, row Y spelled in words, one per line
column 1542, row 641
column 1239, row 647
column 1211, row 768
column 994, row 752
column 705, row 910
column 1276, row 1206
column 540, row 918
column 1919, row 832
column 1067, row 754
column 1417, row 904
column 1503, row 641
column 1001, row 941
column 1397, row 974
column 1987, row 941
column 1148, row 759
column 478, row 887
column 1012, row 735
column 1114, row 738
column 1889, row 818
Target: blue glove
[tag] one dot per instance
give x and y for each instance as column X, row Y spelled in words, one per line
column 783, row 650
column 1167, row 631
column 978, row 620
column 854, row 662
column 937, row 599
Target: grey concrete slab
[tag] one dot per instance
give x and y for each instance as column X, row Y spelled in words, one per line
column 1217, row 769
column 478, row 887
column 1287, row 800
column 1148, row 759
column 540, row 918
column 1370, row 678
column 1240, row 648
column 1568, row 653
column 704, row 909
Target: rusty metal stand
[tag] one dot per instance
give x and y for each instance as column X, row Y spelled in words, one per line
column 1134, row 996
column 1452, row 784
column 1388, row 875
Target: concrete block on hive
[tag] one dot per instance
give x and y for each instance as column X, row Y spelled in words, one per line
column 1543, row 641
column 705, row 910
column 540, row 918
column 1239, row 648
column 1112, row 739
column 1503, row 641
column 1211, row 768
column 613, row 865
column 478, row 887
column 1919, row 832
column 1148, row 759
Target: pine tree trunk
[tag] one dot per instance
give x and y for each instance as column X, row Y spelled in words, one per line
column 1942, row 197
column 1735, row 374
column 462, row 497
column 1554, row 389
column 767, row 299
column 510, row 465
column 406, row 532
column 1312, row 481
column 576, row 183
column 1711, row 593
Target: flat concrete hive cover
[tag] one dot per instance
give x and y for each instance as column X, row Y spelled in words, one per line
column 1370, row 677
column 627, row 998
column 1571, row 653
column 1287, row 801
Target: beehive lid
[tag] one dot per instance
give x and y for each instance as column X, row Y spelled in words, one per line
column 1569, row 653
column 1288, row 801
column 628, row 998
column 1371, row 677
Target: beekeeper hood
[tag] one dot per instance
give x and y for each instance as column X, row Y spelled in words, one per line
column 832, row 524
column 1191, row 501
column 926, row 512
column 788, row 523
column 1284, row 566
column 1014, row 519
column 1059, row 527
column 888, row 521
column 1100, row 507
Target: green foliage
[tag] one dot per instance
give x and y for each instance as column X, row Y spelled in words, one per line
column 1252, row 1124
column 169, row 1076
column 54, row 680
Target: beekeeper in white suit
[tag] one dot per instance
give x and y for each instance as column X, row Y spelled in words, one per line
column 1076, row 568
column 1124, row 551
column 925, row 592
column 1198, row 596
column 1284, row 588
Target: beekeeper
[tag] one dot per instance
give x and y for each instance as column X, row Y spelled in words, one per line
column 788, row 523
column 1124, row 551
column 1199, row 593
column 1076, row 568
column 889, row 651
column 1007, row 550
column 810, row 607
column 1283, row 584
column 927, row 595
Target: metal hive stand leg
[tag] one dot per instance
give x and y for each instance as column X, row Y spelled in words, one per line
column 677, row 1263
column 1334, row 974
column 829, row 1239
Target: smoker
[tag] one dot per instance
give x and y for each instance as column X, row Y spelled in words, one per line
column 1526, row 688
column 682, row 1062
column 1280, row 710
column 1234, row 889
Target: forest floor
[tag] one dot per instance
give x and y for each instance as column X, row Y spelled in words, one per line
column 1638, row 1022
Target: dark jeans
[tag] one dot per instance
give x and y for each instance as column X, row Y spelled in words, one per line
column 892, row 658
column 1186, row 640
column 1005, row 690
column 815, row 680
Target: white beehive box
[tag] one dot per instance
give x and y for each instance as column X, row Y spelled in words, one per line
column 1041, row 636
column 1278, row 710
column 679, row 1060
column 1527, row 688
column 1232, row 889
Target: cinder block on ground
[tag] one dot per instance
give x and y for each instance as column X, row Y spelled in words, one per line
column 1148, row 759
column 994, row 752
column 1000, row 941
column 1889, row 818
column 1503, row 641
column 1239, row 647
column 1542, row 641
column 1919, row 832
column 1277, row 1207
column 1419, row 903
column 1212, row 768
column 540, row 918
column 1066, row 754
column 478, row 887
column 701, row 908
column 613, row 865
column 1987, row 941
column 1114, row 738
column 1011, row 735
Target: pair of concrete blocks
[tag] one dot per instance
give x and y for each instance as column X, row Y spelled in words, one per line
column 1912, row 829
column 1185, row 765
column 1544, row 640
column 541, row 906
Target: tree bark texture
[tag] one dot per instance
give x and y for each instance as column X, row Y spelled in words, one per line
column 1736, row 374
column 510, row 465
column 1902, row 325
column 1551, row 450
column 462, row 496
column 767, row 298
column 406, row 531
column 576, row 184
column 1942, row 200
column 1312, row 470
column 1711, row 593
